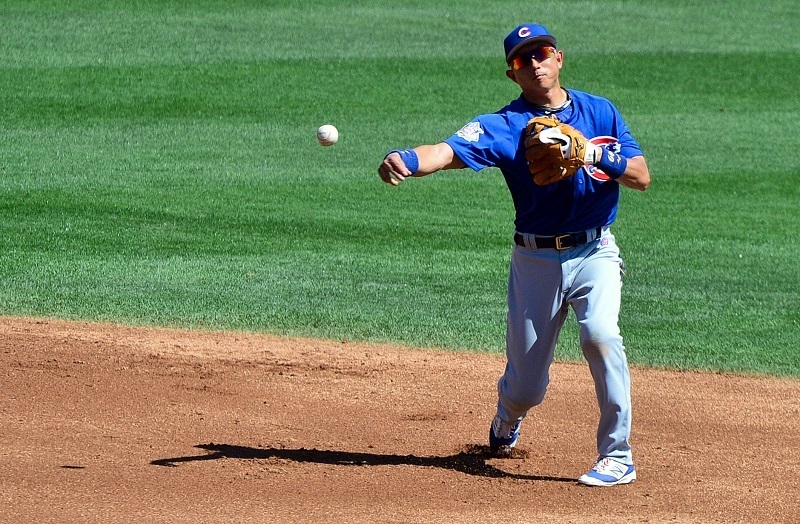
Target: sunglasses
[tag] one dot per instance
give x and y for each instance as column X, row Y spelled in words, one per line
column 540, row 54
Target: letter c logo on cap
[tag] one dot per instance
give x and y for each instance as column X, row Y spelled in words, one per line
column 523, row 32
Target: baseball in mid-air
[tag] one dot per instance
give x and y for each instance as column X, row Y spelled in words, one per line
column 327, row 135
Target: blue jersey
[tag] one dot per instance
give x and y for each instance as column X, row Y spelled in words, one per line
column 585, row 201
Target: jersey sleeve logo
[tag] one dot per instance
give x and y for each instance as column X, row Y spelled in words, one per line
column 471, row 132
column 613, row 146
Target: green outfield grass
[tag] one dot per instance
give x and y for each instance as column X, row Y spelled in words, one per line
column 158, row 166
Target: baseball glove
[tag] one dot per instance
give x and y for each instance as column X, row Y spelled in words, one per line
column 554, row 151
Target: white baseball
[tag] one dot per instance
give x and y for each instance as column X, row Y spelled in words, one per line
column 327, row 135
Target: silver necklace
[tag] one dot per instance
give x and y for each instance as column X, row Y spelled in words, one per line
column 550, row 110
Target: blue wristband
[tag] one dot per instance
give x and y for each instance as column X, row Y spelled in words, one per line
column 611, row 163
column 409, row 158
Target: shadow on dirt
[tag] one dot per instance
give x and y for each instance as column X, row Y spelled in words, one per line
column 472, row 461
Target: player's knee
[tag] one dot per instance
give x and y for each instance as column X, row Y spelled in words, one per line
column 605, row 343
column 523, row 396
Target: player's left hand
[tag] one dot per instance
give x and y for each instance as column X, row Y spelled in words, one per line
column 555, row 151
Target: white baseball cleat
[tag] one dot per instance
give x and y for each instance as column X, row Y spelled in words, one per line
column 609, row 472
column 502, row 434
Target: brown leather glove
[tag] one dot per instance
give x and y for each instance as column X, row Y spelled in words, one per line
column 555, row 151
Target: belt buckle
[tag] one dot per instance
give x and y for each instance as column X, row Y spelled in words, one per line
column 560, row 242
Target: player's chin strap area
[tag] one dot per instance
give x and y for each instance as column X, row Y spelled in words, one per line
column 559, row 242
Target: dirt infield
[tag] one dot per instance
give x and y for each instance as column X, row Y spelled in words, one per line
column 104, row 423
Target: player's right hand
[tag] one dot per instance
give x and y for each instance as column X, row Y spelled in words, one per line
column 393, row 170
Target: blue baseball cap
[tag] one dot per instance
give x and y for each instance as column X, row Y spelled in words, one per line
column 525, row 34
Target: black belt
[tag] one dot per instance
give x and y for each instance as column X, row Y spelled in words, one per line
column 557, row 242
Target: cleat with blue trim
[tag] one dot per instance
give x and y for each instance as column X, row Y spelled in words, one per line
column 502, row 434
column 609, row 472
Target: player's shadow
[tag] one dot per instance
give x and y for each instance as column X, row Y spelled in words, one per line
column 472, row 461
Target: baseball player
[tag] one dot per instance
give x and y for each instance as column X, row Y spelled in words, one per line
column 564, row 154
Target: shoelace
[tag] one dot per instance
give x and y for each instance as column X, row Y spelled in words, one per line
column 609, row 466
column 503, row 430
